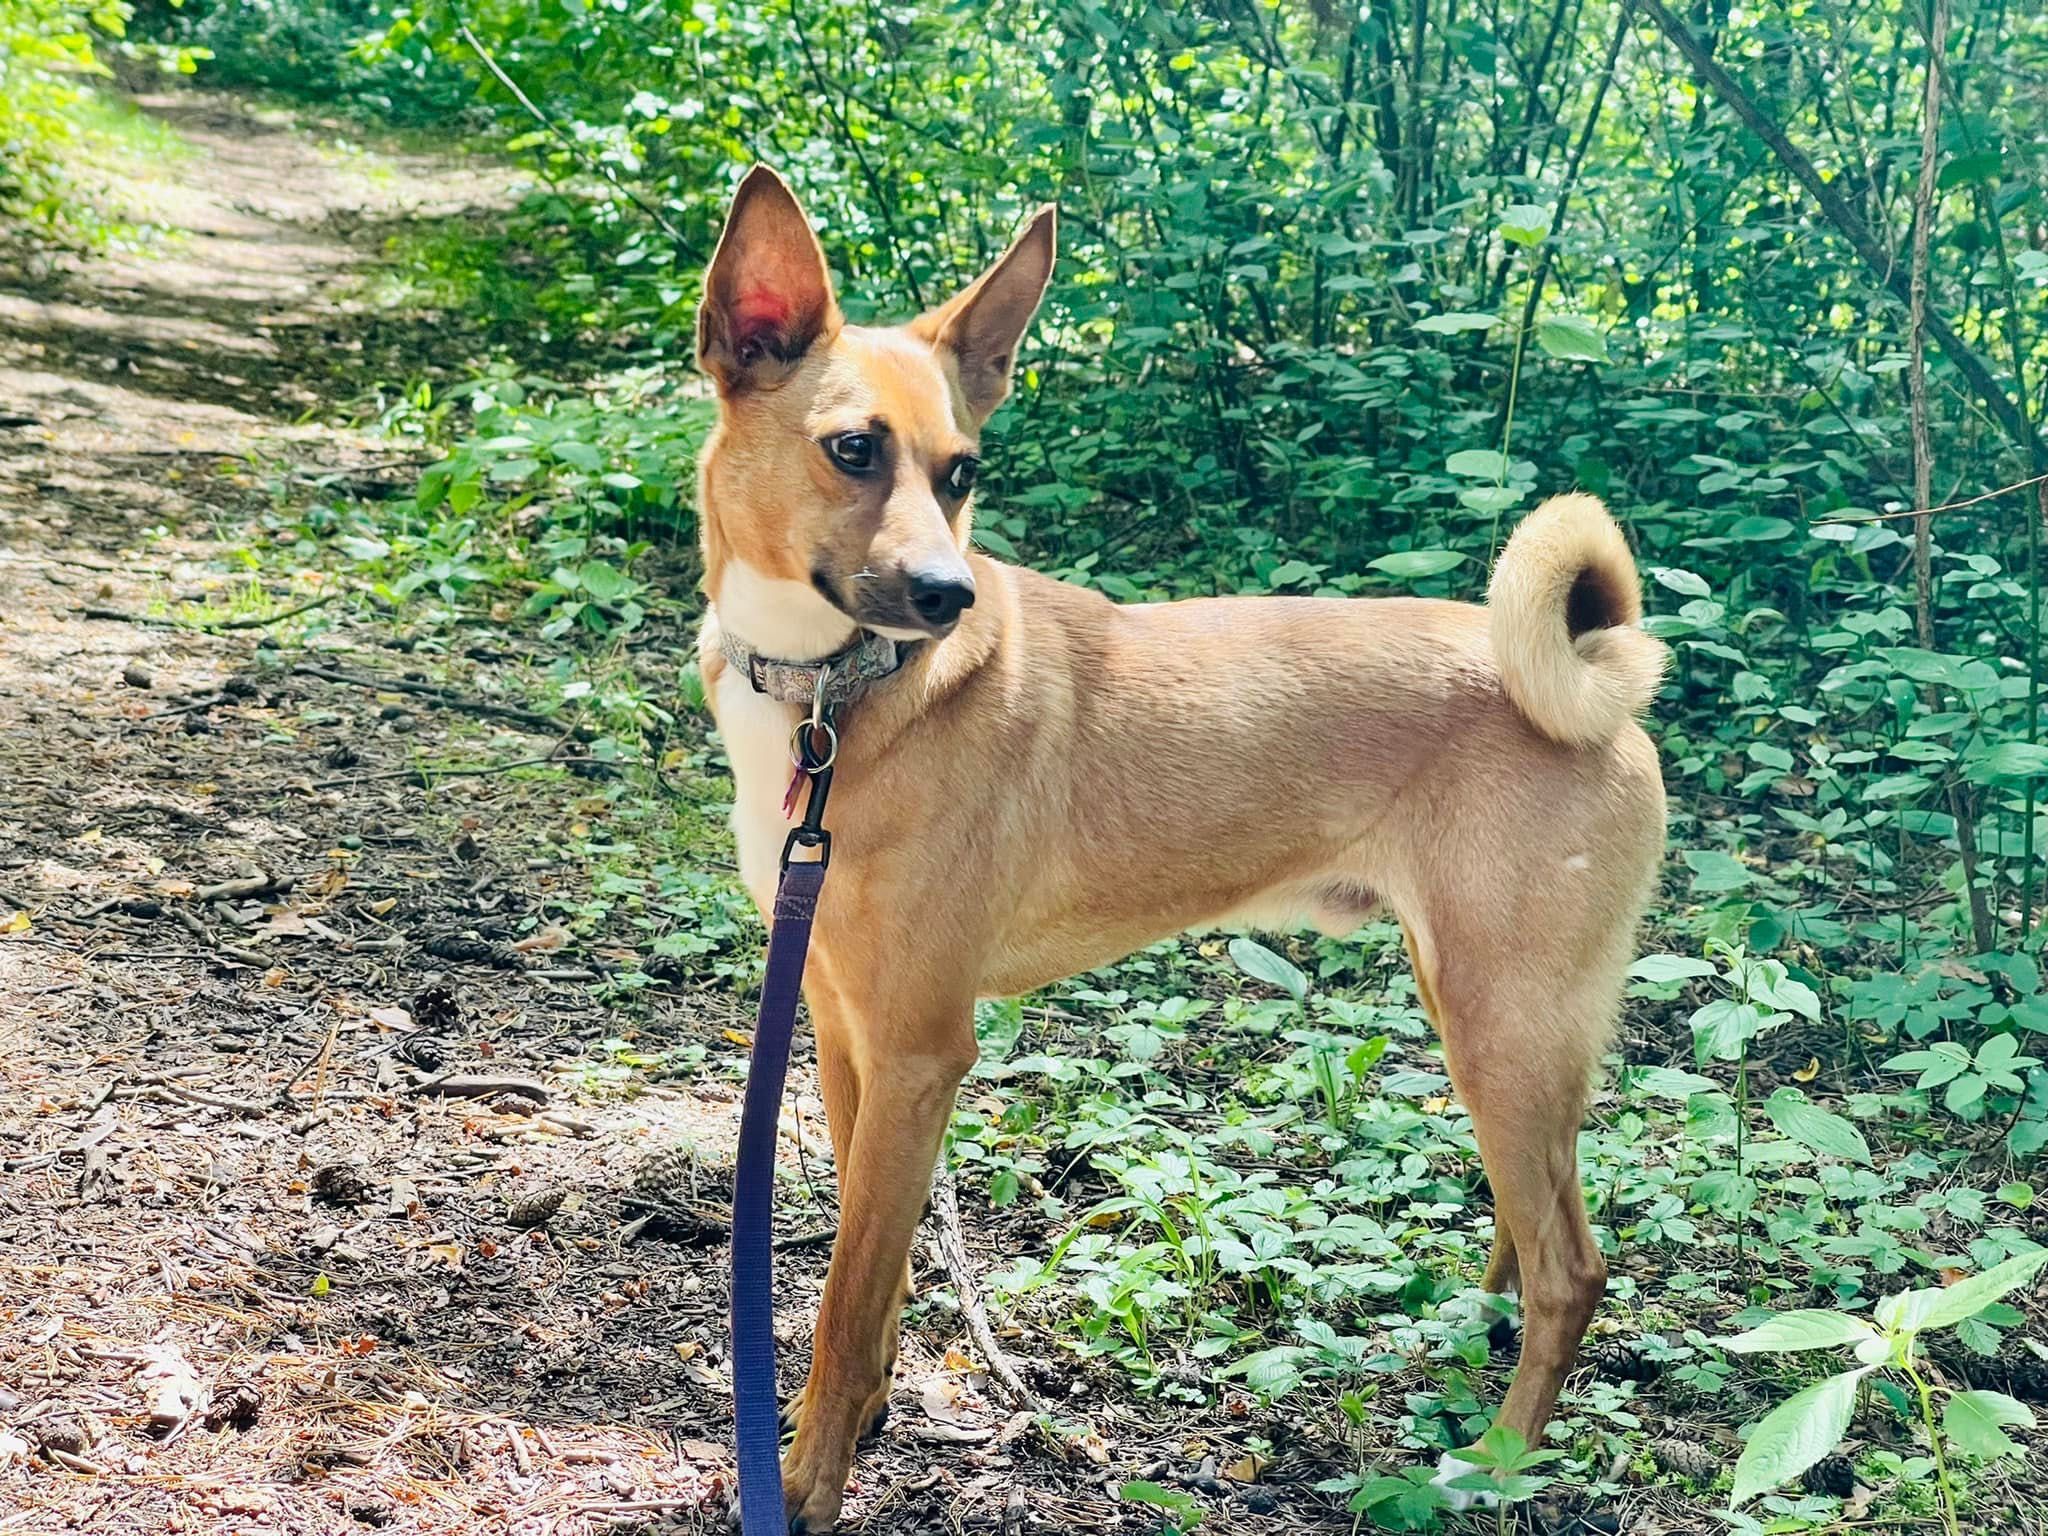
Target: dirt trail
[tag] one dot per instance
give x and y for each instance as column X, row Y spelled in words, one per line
column 257, row 1271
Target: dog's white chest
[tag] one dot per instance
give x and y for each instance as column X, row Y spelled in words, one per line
column 756, row 731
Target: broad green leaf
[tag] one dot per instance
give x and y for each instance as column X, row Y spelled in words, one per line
column 1478, row 464
column 1715, row 871
column 605, row 583
column 2009, row 762
column 1571, row 337
column 1670, row 968
column 1795, row 1435
column 577, row 455
column 1184, row 1509
column 1668, row 1082
column 1261, row 964
column 1807, row 1328
column 1983, row 165
column 1966, row 1298
column 1455, row 322
column 1681, row 581
column 1414, row 564
column 1811, row 1126
column 1723, row 1028
column 1525, row 223
column 1491, row 500
column 1977, row 1422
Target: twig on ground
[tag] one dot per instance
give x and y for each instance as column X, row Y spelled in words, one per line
column 243, row 887
column 160, row 1085
column 459, row 1085
column 203, row 626
column 951, row 1247
column 542, row 724
column 433, row 775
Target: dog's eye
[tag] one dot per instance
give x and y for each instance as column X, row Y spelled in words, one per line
column 852, row 451
column 961, row 480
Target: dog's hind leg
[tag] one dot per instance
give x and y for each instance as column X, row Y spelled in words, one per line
column 1503, row 1274
column 1521, row 1047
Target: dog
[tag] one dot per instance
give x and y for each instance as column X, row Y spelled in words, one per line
column 1036, row 781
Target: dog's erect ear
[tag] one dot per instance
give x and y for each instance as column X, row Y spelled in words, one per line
column 981, row 326
column 767, row 296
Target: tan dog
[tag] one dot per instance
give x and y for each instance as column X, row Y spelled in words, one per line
column 1049, row 781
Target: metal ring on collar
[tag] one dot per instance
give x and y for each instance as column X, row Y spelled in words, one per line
column 797, row 755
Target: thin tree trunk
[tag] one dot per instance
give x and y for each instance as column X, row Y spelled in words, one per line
column 1959, row 805
column 1983, row 383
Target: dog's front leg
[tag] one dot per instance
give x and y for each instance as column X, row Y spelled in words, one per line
column 906, row 1078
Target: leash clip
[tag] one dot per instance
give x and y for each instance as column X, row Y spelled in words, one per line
column 815, row 763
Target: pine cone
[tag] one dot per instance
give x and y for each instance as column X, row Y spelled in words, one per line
column 1831, row 1475
column 341, row 755
column 1688, row 1458
column 1626, row 1362
column 461, row 947
column 341, row 1184
column 539, row 1208
column 437, row 1008
column 422, row 1051
column 66, row 1435
column 666, row 1179
column 237, row 1407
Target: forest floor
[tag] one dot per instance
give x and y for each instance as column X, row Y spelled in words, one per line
column 260, row 1261
column 343, row 1180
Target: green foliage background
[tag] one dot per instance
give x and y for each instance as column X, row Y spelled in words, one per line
column 1340, row 294
column 1326, row 319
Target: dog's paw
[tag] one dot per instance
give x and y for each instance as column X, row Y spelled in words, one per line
column 811, row 1494
column 1448, row 1471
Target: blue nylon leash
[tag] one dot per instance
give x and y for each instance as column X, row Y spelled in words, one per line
column 757, row 1409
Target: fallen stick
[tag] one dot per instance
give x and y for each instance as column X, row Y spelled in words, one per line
column 204, row 626
column 536, row 722
column 430, row 774
column 951, row 1248
column 244, row 886
column 460, row 1085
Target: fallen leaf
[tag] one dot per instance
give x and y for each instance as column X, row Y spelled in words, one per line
column 1248, row 1469
column 957, row 1361
column 703, row 1450
column 1809, row 1072
column 15, row 924
column 546, row 939
column 391, row 1018
column 941, row 1400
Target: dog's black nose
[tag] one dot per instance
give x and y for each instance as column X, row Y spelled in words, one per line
column 941, row 596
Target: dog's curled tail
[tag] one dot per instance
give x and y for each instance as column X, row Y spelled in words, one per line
column 1565, row 608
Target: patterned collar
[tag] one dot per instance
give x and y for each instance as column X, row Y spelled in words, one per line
column 846, row 674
